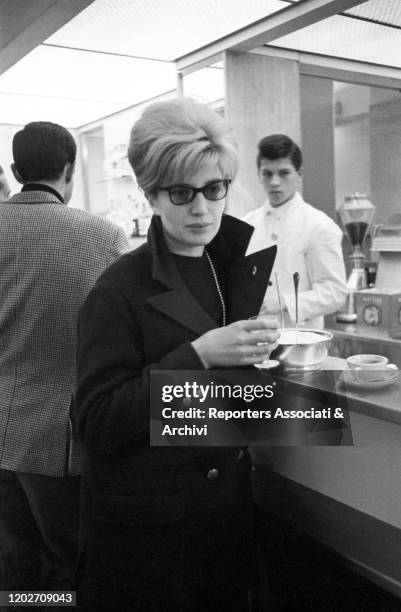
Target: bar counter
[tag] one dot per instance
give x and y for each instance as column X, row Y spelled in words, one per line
column 346, row 498
column 353, row 338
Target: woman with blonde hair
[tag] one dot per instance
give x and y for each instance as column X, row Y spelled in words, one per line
column 169, row 528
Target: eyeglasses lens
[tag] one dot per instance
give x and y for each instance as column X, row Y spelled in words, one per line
column 181, row 195
column 214, row 191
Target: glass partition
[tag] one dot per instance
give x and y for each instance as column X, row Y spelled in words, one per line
column 367, row 147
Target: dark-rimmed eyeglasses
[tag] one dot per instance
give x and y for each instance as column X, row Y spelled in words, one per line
column 183, row 194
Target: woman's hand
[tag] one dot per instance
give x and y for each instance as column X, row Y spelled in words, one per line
column 242, row 343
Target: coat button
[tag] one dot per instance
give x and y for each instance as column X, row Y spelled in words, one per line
column 270, row 283
column 213, row 474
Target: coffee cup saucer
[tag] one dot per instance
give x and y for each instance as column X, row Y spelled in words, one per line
column 268, row 364
column 391, row 376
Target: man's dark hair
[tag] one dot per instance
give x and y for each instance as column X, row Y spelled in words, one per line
column 41, row 151
column 1, row 170
column 277, row 146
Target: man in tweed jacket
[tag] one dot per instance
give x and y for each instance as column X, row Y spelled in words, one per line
column 50, row 257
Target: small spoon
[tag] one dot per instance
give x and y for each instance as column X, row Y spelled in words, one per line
column 279, row 302
column 296, row 283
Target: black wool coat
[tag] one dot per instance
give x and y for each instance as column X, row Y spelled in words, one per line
column 157, row 532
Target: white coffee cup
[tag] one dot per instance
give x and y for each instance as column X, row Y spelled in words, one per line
column 370, row 368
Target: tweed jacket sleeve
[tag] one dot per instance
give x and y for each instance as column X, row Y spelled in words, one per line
column 120, row 245
column 112, row 402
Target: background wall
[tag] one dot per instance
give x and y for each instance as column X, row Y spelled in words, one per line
column 352, row 158
column 6, row 135
column 385, row 145
column 109, row 182
column 262, row 98
column 116, row 128
column 368, row 147
column 317, row 123
column 352, row 140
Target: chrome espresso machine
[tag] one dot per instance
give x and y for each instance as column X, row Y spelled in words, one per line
column 356, row 214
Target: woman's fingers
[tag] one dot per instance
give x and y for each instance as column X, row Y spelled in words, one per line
column 263, row 337
column 241, row 343
column 259, row 324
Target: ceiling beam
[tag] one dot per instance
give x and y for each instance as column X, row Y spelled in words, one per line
column 337, row 68
column 24, row 24
column 350, row 71
column 278, row 24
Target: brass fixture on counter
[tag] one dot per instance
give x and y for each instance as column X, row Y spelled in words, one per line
column 380, row 307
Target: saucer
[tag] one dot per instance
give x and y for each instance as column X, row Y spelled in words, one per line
column 348, row 378
column 267, row 365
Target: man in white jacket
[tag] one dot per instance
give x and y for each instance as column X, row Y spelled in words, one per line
column 308, row 241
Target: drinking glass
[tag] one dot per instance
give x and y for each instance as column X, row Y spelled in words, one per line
column 267, row 363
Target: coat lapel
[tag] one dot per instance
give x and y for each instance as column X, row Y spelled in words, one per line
column 180, row 306
column 247, row 285
column 246, row 277
column 177, row 302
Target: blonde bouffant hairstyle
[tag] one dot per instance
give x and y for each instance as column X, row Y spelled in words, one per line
column 178, row 137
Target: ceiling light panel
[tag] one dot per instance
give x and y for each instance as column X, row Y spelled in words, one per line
column 159, row 29
column 70, row 113
column 347, row 38
column 54, row 72
column 386, row 11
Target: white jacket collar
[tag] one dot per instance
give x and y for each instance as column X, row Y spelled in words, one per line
column 281, row 211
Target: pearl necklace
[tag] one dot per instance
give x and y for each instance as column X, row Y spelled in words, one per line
column 219, row 291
